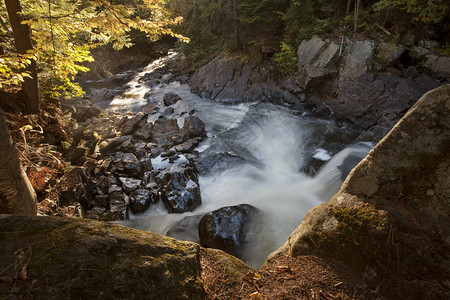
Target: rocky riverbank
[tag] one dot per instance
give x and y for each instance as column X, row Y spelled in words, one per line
column 369, row 84
column 383, row 235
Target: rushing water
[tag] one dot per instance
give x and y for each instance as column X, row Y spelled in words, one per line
column 273, row 153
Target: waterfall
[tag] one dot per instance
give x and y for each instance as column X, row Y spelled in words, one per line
column 267, row 150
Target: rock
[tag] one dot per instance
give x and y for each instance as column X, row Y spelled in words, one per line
column 368, row 99
column 357, row 59
column 230, row 80
column 130, row 184
column 131, row 124
column 438, row 64
column 194, row 127
column 128, row 165
column 170, row 99
column 144, row 132
column 186, row 229
column 167, row 112
column 398, row 194
column 180, row 190
column 142, row 198
column 76, row 187
column 226, row 228
column 166, row 133
column 84, row 112
column 115, row 144
column 316, row 60
column 118, row 207
column 87, row 256
column 149, row 108
column 386, row 54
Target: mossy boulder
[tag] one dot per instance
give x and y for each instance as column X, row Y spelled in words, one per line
column 389, row 221
column 56, row 258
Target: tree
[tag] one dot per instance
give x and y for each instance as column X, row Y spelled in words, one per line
column 65, row 31
column 23, row 43
column 17, row 196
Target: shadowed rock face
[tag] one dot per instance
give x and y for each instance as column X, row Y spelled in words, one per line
column 389, row 221
column 54, row 258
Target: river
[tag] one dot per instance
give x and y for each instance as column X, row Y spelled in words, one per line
column 279, row 160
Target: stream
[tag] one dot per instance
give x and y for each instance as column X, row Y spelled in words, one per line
column 281, row 161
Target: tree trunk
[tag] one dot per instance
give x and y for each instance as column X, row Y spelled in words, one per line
column 355, row 25
column 22, row 40
column 236, row 24
column 17, row 196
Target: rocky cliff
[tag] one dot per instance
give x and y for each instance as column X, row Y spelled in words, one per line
column 369, row 84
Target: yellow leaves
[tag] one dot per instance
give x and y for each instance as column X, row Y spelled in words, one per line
column 256, row 296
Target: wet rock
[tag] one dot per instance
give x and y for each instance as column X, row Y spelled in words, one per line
column 194, row 127
column 76, row 187
column 130, row 184
column 141, row 199
column 118, row 206
column 167, row 112
column 128, row 165
column 186, row 147
column 186, row 229
column 180, row 190
column 217, row 162
column 149, row 108
column 226, row 227
column 170, row 99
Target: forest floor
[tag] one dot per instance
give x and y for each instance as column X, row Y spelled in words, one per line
column 303, row 277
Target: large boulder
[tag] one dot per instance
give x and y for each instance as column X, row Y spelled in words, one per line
column 389, row 221
column 376, row 99
column 55, row 258
column 317, row 60
column 228, row 79
column 227, row 228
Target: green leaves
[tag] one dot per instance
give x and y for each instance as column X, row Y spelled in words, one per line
column 422, row 11
column 64, row 32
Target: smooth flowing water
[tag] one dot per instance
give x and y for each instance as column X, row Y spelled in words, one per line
column 273, row 153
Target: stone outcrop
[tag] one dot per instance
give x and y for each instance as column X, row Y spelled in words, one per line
column 389, row 221
column 55, row 258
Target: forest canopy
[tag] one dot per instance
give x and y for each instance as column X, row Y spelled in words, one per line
column 64, row 31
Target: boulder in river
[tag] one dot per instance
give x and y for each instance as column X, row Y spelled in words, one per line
column 227, row 228
column 180, row 190
column 194, row 127
column 170, row 99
